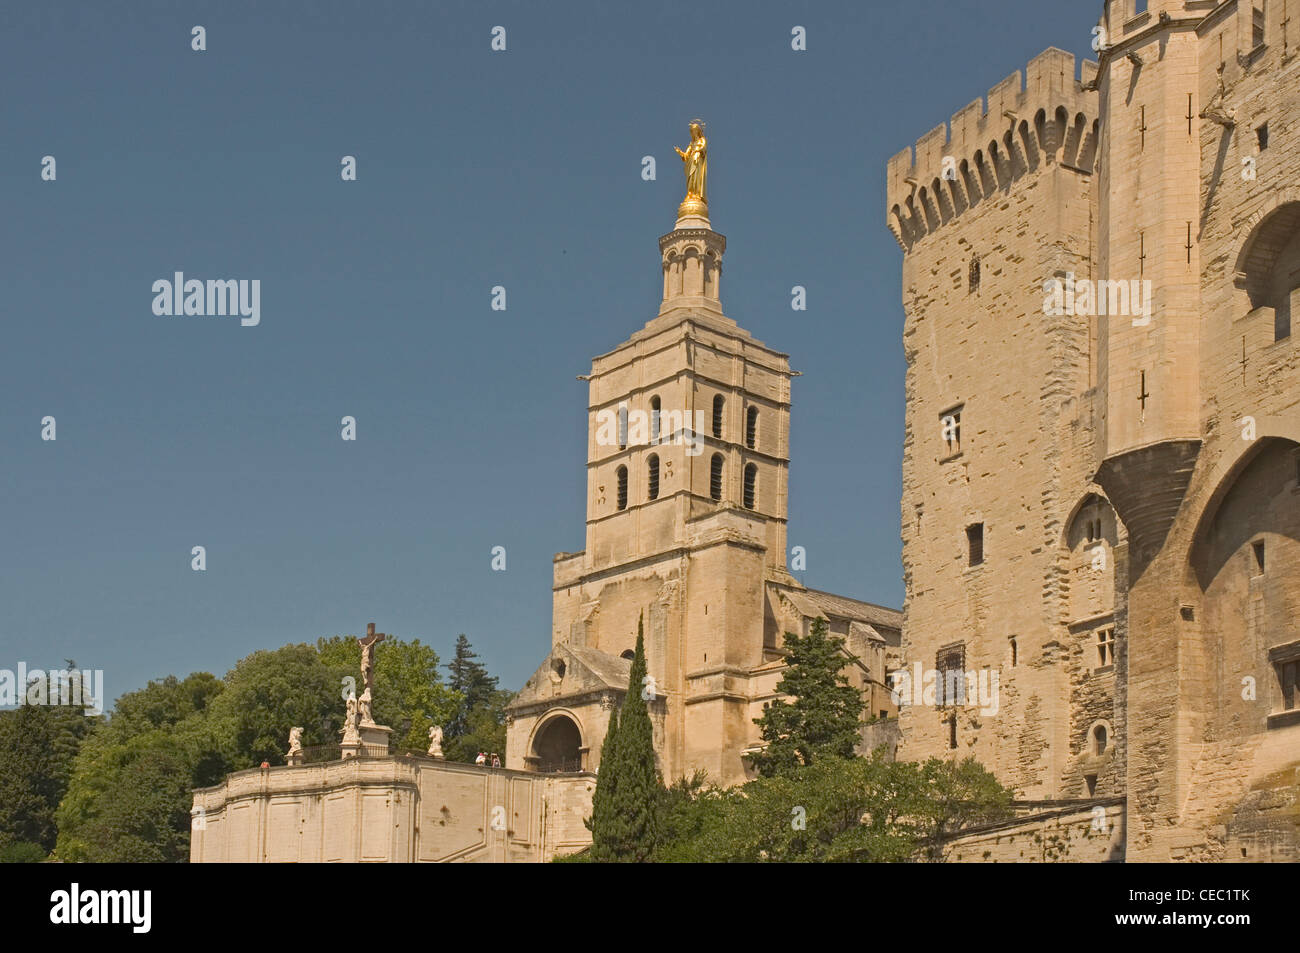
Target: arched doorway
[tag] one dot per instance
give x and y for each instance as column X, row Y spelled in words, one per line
column 558, row 746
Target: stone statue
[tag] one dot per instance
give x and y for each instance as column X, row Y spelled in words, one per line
column 435, row 742
column 295, row 741
column 695, row 160
column 364, row 710
column 350, row 733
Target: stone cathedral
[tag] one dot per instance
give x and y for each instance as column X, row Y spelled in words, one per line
column 1101, row 477
column 688, row 454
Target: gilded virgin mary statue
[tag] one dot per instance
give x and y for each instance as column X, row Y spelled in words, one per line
column 695, row 160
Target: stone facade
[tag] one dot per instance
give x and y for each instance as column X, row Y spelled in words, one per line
column 390, row 810
column 687, row 467
column 1101, row 493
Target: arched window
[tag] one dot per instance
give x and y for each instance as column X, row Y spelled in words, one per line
column 715, row 477
column 622, row 427
column 751, row 427
column 1099, row 739
column 654, row 419
column 652, row 468
column 718, row 404
column 622, row 488
column 751, row 478
column 628, row 654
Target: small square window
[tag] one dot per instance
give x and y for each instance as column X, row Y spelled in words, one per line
column 1261, row 137
column 1105, row 647
column 1258, row 550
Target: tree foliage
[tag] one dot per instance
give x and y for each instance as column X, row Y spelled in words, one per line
column 824, row 718
column 479, row 721
column 38, row 744
column 628, row 788
column 833, row 810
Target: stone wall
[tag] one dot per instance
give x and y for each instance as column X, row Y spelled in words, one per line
column 390, row 810
column 1081, row 832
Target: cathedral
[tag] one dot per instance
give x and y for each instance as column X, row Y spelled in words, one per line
column 1100, row 515
column 1101, row 472
column 688, row 456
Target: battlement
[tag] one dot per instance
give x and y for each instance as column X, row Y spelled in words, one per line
column 1044, row 113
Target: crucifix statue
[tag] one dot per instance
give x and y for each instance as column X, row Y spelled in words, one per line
column 368, row 643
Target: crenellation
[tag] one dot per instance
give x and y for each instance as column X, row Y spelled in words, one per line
column 988, row 148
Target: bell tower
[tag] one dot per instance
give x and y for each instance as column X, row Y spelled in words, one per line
column 687, row 477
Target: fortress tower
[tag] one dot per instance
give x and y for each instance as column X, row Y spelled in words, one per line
column 687, row 474
column 1102, row 454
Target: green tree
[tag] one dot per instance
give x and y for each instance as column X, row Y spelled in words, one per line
column 834, row 811
column 624, row 829
column 269, row 692
column 130, row 802
column 604, row 821
column 486, row 731
column 38, row 745
column 823, row 720
column 129, row 796
column 479, row 722
column 408, row 686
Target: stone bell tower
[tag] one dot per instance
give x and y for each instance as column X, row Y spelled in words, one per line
column 687, row 474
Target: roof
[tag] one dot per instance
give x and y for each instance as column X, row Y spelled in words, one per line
column 842, row 607
column 585, row 670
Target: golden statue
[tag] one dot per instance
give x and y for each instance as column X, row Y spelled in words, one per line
column 695, row 160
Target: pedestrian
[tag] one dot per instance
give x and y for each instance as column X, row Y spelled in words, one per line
column 481, row 759
column 496, row 761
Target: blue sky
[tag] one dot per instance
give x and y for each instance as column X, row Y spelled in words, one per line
column 475, row 169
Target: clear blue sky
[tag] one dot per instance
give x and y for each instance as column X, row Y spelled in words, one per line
column 475, row 169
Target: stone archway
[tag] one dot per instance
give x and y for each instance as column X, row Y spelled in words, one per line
column 557, row 745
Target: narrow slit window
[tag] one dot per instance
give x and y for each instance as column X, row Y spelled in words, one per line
column 973, row 275
column 975, row 544
column 1258, row 550
column 654, row 419
column 622, row 426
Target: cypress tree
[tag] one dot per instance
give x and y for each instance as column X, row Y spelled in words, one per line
column 603, row 822
column 628, row 790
